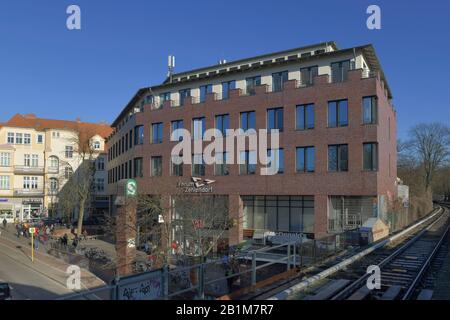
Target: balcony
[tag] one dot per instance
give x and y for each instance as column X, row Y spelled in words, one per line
column 28, row 170
column 28, row 192
column 53, row 170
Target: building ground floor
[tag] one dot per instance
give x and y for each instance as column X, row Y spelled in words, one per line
column 15, row 208
column 24, row 208
column 290, row 216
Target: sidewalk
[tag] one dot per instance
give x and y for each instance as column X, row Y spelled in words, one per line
column 44, row 263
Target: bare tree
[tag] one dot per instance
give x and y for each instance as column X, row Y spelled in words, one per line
column 430, row 143
column 198, row 223
column 75, row 195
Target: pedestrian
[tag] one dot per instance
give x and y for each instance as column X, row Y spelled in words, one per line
column 64, row 240
column 75, row 242
column 4, row 223
column 18, row 229
column 36, row 242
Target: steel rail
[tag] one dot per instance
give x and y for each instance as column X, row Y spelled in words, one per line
column 425, row 266
column 358, row 282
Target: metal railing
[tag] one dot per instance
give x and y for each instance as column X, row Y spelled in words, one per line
column 239, row 272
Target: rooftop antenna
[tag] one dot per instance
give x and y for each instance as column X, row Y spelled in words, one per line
column 170, row 66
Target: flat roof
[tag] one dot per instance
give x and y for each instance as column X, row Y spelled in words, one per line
column 367, row 50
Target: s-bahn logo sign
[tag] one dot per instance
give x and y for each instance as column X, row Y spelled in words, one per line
column 197, row 185
column 131, row 188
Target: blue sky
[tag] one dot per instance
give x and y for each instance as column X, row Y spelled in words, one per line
column 123, row 45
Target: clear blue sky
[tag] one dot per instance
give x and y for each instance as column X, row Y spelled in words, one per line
column 123, row 45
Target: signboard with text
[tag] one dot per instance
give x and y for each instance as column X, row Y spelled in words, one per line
column 148, row 286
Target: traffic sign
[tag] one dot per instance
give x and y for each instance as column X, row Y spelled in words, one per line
column 131, row 188
column 32, row 230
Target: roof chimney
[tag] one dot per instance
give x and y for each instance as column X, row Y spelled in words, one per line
column 78, row 119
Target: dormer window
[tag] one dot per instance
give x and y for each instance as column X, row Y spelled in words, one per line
column 97, row 145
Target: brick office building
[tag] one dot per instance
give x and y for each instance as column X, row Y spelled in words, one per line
column 337, row 151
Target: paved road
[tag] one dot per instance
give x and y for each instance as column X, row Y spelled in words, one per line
column 26, row 280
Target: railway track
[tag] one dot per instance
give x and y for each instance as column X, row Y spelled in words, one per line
column 406, row 270
column 288, row 289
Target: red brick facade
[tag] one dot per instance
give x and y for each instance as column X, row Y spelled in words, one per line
column 320, row 184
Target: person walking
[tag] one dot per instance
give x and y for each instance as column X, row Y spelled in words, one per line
column 4, row 223
column 18, row 229
column 36, row 241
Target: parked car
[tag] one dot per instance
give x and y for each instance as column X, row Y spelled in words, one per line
column 5, row 291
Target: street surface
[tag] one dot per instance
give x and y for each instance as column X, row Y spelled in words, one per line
column 26, row 278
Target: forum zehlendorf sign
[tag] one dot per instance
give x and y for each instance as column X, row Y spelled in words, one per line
column 197, row 185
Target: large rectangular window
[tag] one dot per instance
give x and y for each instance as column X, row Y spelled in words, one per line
column 30, row 183
column 278, row 158
column 251, row 83
column 34, row 160
column 157, row 132
column 204, row 90
column 163, row 97
column 184, row 94
column 226, row 87
column 275, row 119
column 4, row 182
column 223, row 123
column 278, row 80
column 138, row 170
column 10, row 138
column 198, row 165
column 221, row 167
column 69, row 152
column 248, row 162
column 247, row 120
column 305, row 159
column 156, row 166
column 370, row 156
column 26, row 160
column 307, row 75
column 199, row 128
column 339, row 71
column 19, row 138
column 176, row 125
column 176, row 166
column 5, row 159
column 138, row 135
column 279, row 213
column 338, row 157
column 337, row 113
column 305, row 117
column 27, row 138
column 370, row 106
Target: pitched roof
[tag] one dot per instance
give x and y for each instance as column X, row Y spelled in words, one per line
column 31, row 121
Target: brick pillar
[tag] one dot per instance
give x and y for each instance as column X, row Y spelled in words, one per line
column 236, row 211
column 320, row 215
column 126, row 237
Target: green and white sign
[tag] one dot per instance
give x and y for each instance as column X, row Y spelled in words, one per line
column 131, row 188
